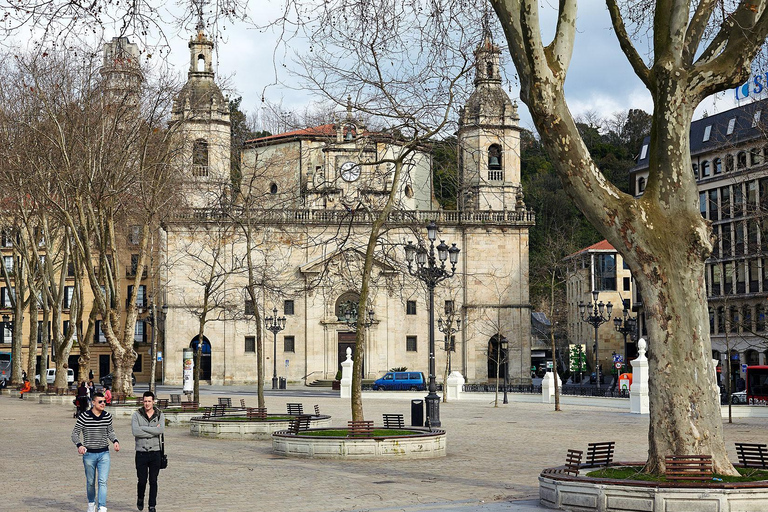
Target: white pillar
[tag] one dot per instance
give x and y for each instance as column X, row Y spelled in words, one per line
column 454, row 386
column 346, row 376
column 638, row 392
column 548, row 387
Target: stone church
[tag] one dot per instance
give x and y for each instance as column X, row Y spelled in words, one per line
column 303, row 202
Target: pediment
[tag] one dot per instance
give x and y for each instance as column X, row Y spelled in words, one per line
column 343, row 258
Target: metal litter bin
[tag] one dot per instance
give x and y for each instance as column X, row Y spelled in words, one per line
column 417, row 413
column 281, row 383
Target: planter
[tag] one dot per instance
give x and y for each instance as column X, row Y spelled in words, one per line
column 584, row 494
column 220, row 428
column 422, row 444
column 56, row 399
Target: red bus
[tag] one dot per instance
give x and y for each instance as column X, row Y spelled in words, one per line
column 757, row 385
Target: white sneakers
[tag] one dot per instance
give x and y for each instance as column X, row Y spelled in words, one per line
column 102, row 509
column 91, row 507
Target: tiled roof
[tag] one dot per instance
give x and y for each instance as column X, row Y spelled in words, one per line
column 602, row 245
column 324, row 130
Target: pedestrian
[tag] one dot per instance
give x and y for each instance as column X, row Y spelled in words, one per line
column 92, row 434
column 147, row 425
column 25, row 388
column 82, row 398
column 91, row 390
column 107, row 395
column 90, row 375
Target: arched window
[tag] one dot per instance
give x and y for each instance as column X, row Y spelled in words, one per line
column 695, row 168
column 640, row 185
column 200, row 158
column 494, row 156
column 205, row 359
column 741, row 160
column 718, row 164
column 728, row 163
column 754, row 156
column 705, row 169
column 273, row 188
column 490, row 69
column 497, row 357
column 201, row 62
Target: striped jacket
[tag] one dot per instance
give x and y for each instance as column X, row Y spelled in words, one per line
column 96, row 431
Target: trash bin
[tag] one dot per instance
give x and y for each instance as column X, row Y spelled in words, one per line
column 281, row 383
column 417, row 413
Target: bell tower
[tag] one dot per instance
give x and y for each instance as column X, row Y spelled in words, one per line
column 489, row 139
column 200, row 116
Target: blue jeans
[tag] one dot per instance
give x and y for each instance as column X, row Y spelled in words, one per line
column 94, row 462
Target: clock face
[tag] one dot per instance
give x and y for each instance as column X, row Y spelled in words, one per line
column 350, row 171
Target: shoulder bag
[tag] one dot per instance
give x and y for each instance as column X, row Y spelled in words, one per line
column 163, row 456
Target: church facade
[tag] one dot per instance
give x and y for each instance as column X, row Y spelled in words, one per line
column 296, row 221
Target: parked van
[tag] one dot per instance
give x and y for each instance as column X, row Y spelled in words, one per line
column 413, row 381
column 50, row 376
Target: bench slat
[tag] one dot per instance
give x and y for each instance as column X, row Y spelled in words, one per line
column 688, row 467
column 360, row 428
column 600, row 454
column 752, row 455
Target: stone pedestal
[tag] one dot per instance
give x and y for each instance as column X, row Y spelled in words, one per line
column 346, row 376
column 548, row 387
column 453, row 388
column 638, row 392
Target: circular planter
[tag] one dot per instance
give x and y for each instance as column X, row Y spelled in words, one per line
column 56, row 399
column 220, row 428
column 422, row 444
column 565, row 492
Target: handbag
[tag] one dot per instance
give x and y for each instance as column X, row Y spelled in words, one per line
column 163, row 456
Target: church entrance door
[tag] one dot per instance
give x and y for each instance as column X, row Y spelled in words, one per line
column 347, row 339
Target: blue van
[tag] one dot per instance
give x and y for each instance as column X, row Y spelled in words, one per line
column 413, row 381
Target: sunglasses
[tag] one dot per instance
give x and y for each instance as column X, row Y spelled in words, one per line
column 99, row 401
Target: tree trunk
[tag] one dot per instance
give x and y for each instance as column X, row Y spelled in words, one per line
column 32, row 354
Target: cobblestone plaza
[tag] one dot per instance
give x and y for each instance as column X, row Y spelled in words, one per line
column 494, row 456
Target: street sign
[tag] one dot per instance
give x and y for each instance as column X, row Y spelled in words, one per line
column 743, row 368
column 287, row 362
column 618, row 365
column 159, row 356
column 549, row 365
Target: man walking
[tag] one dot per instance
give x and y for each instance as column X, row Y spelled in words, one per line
column 95, row 429
column 147, row 425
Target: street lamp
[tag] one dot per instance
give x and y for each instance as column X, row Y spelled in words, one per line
column 154, row 322
column 423, row 265
column 625, row 326
column 274, row 324
column 503, row 344
column 592, row 313
column 349, row 309
column 446, row 327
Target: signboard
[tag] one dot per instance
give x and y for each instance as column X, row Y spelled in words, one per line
column 549, row 365
column 189, row 368
column 287, row 362
column 743, row 368
column 159, row 356
column 618, row 365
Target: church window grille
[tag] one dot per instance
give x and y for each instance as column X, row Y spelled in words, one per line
column 200, row 158
column 250, row 344
column 411, row 343
column 289, row 344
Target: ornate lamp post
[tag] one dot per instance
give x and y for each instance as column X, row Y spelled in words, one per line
column 430, row 271
column 274, row 324
column 446, row 327
column 592, row 313
column 503, row 344
column 154, row 322
column 625, row 326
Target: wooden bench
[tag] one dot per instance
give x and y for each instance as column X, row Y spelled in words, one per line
column 393, row 421
column 295, row 409
column 189, row 406
column 362, row 428
column 298, row 424
column 175, row 398
column 162, row 403
column 227, row 402
column 688, row 467
column 207, row 412
column 317, row 410
column 256, row 413
column 242, row 403
column 600, row 454
column 217, row 410
column 752, row 455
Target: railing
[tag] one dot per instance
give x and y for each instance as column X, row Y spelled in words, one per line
column 279, row 216
column 200, row 171
column 564, row 390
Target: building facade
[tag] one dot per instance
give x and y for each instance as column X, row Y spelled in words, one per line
column 729, row 154
column 302, row 208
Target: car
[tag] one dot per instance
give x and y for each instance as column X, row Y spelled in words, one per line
column 413, row 381
column 50, row 376
column 739, row 397
column 106, row 380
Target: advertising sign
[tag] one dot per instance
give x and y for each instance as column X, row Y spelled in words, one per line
column 189, row 368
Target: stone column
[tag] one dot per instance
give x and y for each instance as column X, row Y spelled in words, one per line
column 454, row 386
column 548, row 387
column 638, row 392
column 346, row 376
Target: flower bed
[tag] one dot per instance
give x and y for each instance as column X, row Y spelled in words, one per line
column 584, row 493
column 411, row 443
column 232, row 427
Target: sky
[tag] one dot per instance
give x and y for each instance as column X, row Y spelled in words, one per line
column 599, row 79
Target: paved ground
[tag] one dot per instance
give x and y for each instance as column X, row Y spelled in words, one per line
column 494, row 458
